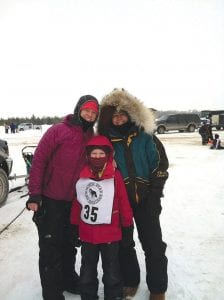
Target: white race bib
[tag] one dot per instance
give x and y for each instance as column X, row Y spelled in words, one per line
column 96, row 198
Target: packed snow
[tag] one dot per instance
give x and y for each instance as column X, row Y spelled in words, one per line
column 192, row 221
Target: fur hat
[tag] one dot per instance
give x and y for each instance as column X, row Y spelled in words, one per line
column 121, row 100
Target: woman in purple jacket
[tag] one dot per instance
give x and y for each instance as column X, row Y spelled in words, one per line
column 57, row 162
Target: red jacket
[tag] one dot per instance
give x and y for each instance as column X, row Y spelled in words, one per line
column 122, row 215
column 57, row 161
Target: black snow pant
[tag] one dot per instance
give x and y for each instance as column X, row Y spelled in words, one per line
column 147, row 222
column 57, row 255
column 204, row 138
column 112, row 279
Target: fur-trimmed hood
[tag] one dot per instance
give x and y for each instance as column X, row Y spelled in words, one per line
column 120, row 99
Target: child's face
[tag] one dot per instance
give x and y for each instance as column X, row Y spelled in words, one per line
column 97, row 153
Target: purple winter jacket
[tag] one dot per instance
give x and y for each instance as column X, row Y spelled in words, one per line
column 58, row 160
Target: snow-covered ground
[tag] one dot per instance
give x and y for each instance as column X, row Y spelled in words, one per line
column 192, row 221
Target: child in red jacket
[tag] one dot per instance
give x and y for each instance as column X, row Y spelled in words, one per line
column 102, row 218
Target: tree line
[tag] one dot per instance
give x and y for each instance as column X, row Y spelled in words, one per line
column 52, row 120
column 33, row 119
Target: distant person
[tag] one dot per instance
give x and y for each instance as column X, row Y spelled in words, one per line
column 57, row 162
column 209, row 124
column 103, row 217
column 13, row 127
column 216, row 144
column 209, row 117
column 142, row 160
column 6, row 128
column 205, row 132
column 16, row 128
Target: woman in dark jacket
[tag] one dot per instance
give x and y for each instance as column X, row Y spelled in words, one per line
column 58, row 159
column 142, row 160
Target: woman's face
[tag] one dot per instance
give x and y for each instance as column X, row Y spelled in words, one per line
column 119, row 118
column 88, row 114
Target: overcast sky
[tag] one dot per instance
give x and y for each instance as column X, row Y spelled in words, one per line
column 168, row 53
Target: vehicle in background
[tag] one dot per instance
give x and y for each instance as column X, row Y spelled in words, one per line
column 27, row 126
column 5, row 170
column 205, row 121
column 215, row 117
column 181, row 122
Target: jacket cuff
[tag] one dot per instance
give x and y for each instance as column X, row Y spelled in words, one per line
column 34, row 199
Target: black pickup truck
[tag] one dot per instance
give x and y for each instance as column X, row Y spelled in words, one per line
column 5, row 170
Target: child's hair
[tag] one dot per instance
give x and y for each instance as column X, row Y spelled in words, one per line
column 216, row 136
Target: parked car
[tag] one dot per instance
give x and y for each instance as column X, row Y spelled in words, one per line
column 27, row 126
column 181, row 122
column 5, row 170
column 216, row 118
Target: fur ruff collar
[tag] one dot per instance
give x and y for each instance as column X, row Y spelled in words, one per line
column 120, row 99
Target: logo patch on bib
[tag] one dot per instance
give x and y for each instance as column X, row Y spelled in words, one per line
column 93, row 193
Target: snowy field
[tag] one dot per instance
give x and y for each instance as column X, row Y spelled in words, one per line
column 192, row 220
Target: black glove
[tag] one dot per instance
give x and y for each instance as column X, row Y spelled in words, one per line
column 155, row 193
column 150, row 196
column 154, row 201
column 34, row 199
column 74, row 235
column 127, row 237
column 39, row 215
